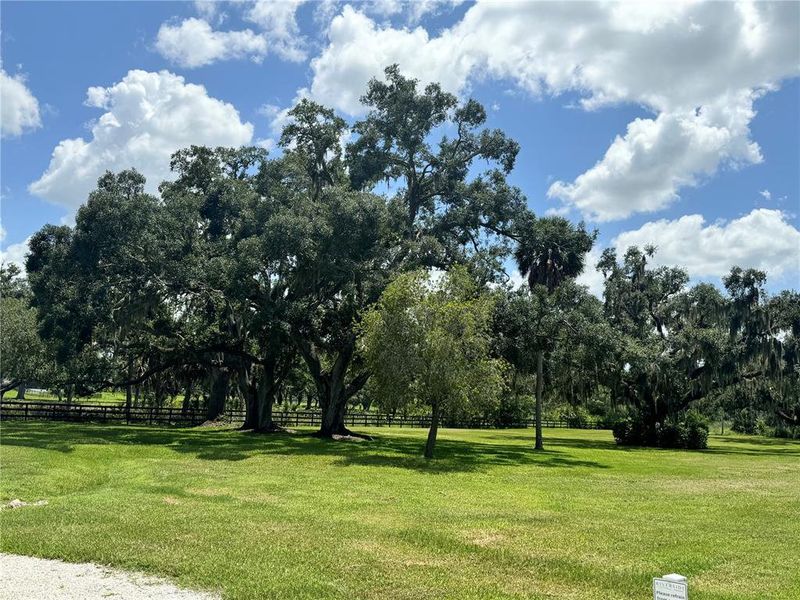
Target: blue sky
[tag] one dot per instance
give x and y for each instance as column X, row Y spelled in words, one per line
column 677, row 126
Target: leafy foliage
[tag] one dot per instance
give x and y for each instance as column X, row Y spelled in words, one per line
column 429, row 343
column 251, row 277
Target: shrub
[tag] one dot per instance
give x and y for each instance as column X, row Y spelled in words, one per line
column 575, row 416
column 744, row 421
column 691, row 431
column 696, row 427
column 623, row 432
column 513, row 410
column 786, row 431
column 672, row 435
column 762, row 428
column 598, row 407
column 754, row 422
column 634, row 431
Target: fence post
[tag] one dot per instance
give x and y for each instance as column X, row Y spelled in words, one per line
column 26, row 411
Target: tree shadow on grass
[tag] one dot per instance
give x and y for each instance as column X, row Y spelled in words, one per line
column 232, row 445
column 43, row 435
column 571, row 442
column 764, row 446
column 759, row 440
column 458, row 455
column 720, row 445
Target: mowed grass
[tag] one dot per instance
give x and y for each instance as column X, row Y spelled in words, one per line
column 291, row 516
column 104, row 397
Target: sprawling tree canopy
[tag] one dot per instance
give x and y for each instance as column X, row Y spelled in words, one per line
column 251, row 275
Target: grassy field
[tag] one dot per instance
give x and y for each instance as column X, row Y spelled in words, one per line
column 105, row 397
column 296, row 517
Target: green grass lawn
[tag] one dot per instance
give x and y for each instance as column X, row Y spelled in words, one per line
column 295, row 517
column 98, row 398
column 105, row 397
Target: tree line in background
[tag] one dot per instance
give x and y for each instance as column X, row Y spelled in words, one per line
column 371, row 272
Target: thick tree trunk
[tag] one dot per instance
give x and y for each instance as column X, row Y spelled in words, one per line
column 187, row 397
column 261, row 399
column 333, row 402
column 431, row 443
column 23, row 386
column 265, row 398
column 250, row 411
column 332, row 390
column 330, row 386
column 660, row 414
column 539, row 390
column 249, row 395
column 218, row 392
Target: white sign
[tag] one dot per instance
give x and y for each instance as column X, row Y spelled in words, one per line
column 670, row 587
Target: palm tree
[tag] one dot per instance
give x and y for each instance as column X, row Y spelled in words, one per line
column 549, row 251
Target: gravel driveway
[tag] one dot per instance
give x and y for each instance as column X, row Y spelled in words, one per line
column 28, row 578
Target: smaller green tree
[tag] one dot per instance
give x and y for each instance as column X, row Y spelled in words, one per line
column 428, row 343
column 23, row 357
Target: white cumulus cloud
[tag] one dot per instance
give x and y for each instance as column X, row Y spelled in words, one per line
column 697, row 67
column 359, row 49
column 278, row 20
column 591, row 277
column 193, row 43
column 762, row 239
column 19, row 108
column 147, row 117
column 413, row 9
column 208, row 9
column 643, row 170
column 15, row 254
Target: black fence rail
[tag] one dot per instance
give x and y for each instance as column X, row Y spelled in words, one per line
column 97, row 413
column 168, row 415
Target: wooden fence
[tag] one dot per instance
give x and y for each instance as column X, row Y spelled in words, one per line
column 153, row 415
